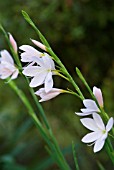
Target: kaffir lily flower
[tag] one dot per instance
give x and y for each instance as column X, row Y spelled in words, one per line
column 42, row 73
column 13, row 42
column 99, row 131
column 98, row 94
column 91, row 105
column 7, row 67
column 47, row 96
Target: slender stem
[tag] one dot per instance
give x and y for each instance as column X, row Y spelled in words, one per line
column 66, row 72
column 49, row 138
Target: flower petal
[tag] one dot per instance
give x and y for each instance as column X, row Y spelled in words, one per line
column 82, row 114
column 88, row 110
column 5, row 72
column 90, row 137
column 48, row 82
column 46, row 61
column 38, row 79
column 98, row 145
column 89, row 124
column 31, row 71
column 110, row 124
column 52, row 64
column 90, row 104
column 29, row 53
column 5, row 56
column 98, row 121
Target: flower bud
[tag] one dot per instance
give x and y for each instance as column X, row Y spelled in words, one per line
column 98, row 94
column 13, row 42
column 39, row 44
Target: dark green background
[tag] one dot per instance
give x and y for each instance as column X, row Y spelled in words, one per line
column 81, row 32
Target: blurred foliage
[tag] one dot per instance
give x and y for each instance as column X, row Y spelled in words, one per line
column 81, row 33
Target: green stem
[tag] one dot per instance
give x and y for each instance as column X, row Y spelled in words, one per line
column 49, row 138
column 66, row 72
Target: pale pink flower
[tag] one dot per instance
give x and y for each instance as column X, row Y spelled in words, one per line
column 7, row 67
column 39, row 44
column 99, row 131
column 98, row 94
column 13, row 42
column 47, row 96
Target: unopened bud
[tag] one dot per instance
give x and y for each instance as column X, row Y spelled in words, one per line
column 98, row 94
column 13, row 42
column 39, row 44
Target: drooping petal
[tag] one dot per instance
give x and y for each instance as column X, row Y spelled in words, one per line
column 91, row 137
column 90, row 104
column 89, row 124
column 48, row 82
column 38, row 79
column 15, row 74
column 98, row 121
column 98, row 145
column 31, row 71
column 98, row 94
column 5, row 56
column 110, row 124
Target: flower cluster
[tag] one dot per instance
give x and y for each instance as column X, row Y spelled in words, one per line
column 40, row 68
column 99, row 131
